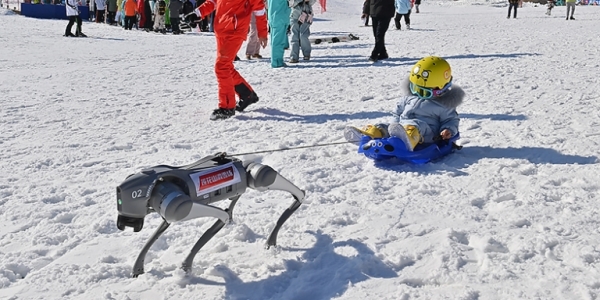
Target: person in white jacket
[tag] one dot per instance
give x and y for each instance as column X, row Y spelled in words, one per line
column 73, row 14
column 100, row 9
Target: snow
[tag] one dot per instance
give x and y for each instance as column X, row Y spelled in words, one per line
column 513, row 215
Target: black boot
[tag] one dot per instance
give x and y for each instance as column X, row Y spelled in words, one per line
column 79, row 33
column 222, row 113
column 246, row 95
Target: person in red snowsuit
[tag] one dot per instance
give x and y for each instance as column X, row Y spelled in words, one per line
column 231, row 24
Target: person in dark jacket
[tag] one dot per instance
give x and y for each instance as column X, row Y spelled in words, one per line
column 188, row 7
column 175, row 7
column 111, row 7
column 382, row 12
column 365, row 13
column 512, row 4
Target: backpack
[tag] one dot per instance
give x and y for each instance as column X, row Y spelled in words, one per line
column 162, row 5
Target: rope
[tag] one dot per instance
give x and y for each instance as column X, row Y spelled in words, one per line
column 291, row 148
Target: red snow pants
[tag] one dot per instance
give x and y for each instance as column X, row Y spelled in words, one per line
column 227, row 76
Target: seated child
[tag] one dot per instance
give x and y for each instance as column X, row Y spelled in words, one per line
column 425, row 116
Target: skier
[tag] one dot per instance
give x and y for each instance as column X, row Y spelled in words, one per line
column 73, row 14
column 231, row 25
column 426, row 115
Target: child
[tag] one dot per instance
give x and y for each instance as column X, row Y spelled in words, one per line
column 402, row 9
column 425, row 116
column 160, row 8
column 550, row 4
column 300, row 21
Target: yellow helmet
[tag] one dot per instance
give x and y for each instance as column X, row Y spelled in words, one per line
column 430, row 77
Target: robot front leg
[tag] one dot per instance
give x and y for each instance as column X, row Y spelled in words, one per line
column 262, row 178
column 138, row 267
column 209, row 234
column 182, row 208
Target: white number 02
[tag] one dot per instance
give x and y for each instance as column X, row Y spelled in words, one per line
column 136, row 194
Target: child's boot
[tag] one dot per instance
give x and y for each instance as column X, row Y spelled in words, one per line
column 354, row 134
column 409, row 135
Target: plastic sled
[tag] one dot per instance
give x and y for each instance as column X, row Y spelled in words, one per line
column 393, row 147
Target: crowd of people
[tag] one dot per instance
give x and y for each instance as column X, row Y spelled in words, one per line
column 550, row 4
column 150, row 15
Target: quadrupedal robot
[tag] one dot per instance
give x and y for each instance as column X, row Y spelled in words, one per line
column 184, row 193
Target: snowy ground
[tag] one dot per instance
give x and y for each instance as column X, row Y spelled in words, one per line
column 513, row 215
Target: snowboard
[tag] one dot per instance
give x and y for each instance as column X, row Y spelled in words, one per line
column 333, row 39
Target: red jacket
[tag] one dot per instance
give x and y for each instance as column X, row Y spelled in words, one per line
column 233, row 16
column 130, row 8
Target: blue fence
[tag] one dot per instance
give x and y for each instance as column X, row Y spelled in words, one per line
column 50, row 11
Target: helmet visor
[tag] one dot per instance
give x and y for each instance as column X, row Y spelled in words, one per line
column 428, row 93
column 422, row 92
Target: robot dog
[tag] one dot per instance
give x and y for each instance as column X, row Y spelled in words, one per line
column 186, row 192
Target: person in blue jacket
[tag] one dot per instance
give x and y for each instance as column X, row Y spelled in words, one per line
column 300, row 21
column 402, row 10
column 428, row 114
column 279, row 19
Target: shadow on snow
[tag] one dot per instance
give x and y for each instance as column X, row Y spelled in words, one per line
column 321, row 273
column 354, row 61
column 271, row 114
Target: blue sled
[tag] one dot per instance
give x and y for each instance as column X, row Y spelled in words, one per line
column 393, row 147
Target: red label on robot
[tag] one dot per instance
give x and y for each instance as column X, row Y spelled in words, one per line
column 213, row 179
